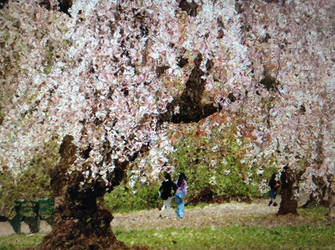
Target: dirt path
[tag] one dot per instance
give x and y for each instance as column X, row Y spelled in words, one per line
column 212, row 215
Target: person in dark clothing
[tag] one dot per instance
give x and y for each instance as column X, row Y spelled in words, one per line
column 166, row 192
column 274, row 185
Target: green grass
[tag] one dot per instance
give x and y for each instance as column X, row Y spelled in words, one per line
column 20, row 241
column 235, row 237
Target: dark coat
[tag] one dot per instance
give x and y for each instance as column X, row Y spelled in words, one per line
column 273, row 184
column 167, row 189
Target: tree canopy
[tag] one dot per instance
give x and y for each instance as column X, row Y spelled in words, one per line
column 117, row 75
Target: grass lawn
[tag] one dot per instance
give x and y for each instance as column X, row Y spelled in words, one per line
column 20, row 241
column 235, row 237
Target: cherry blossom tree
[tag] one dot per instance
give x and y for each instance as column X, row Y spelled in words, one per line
column 105, row 77
column 290, row 48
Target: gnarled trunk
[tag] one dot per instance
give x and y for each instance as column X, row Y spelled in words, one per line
column 80, row 222
column 288, row 203
column 322, row 196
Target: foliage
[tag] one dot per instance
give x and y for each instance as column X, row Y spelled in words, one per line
column 32, row 182
column 124, row 199
column 213, row 166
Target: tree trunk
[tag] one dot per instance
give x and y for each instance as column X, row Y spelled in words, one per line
column 321, row 195
column 288, row 204
column 79, row 221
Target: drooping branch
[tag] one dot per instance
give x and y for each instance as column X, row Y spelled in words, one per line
column 2, row 3
column 61, row 5
column 191, row 8
column 189, row 103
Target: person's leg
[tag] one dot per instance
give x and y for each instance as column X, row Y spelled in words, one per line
column 168, row 205
column 274, row 198
column 271, row 196
column 180, row 205
column 162, row 209
column 179, row 202
column 177, row 199
column 181, row 209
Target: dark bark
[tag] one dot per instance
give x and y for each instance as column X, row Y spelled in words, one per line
column 60, row 5
column 331, row 206
column 191, row 8
column 288, row 203
column 311, row 202
column 190, row 107
column 2, row 3
column 315, row 200
column 80, row 221
column 321, row 195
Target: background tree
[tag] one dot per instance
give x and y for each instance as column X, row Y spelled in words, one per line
column 293, row 74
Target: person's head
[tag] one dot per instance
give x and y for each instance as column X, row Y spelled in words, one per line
column 273, row 176
column 181, row 178
column 167, row 176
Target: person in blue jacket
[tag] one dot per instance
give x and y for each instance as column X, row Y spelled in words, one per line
column 180, row 195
